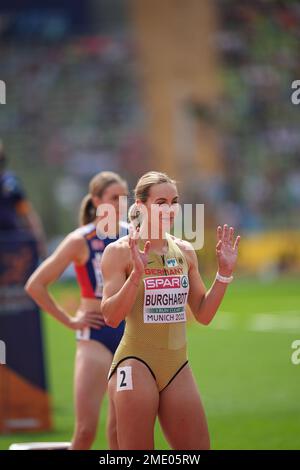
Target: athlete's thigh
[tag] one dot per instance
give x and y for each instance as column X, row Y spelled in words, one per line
column 92, row 363
column 135, row 396
column 181, row 413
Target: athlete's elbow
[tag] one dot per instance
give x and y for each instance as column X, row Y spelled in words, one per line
column 30, row 287
column 111, row 322
column 204, row 320
column 110, row 319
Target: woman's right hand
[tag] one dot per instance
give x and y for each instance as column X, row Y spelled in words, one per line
column 139, row 258
column 84, row 319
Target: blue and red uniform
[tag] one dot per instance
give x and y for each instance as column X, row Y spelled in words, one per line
column 90, row 280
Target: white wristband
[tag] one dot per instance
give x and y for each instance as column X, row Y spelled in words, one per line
column 225, row 280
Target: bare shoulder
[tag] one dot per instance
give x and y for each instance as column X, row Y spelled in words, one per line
column 188, row 250
column 72, row 242
column 75, row 240
column 76, row 236
column 74, row 247
column 118, row 250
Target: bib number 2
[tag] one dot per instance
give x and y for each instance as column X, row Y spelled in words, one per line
column 124, row 378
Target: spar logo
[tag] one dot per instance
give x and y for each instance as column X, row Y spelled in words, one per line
column 167, row 282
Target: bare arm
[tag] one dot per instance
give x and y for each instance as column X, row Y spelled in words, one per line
column 119, row 293
column 204, row 304
column 48, row 272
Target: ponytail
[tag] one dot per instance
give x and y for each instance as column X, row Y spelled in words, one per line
column 87, row 210
column 98, row 184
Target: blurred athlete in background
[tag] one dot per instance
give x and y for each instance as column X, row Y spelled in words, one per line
column 16, row 212
column 96, row 342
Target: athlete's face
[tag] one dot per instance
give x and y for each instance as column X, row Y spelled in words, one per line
column 112, row 196
column 162, row 205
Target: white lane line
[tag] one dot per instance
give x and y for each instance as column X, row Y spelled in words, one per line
column 280, row 321
column 270, row 322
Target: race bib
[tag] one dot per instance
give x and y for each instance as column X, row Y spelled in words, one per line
column 165, row 299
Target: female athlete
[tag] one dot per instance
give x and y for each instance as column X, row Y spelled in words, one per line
column 156, row 277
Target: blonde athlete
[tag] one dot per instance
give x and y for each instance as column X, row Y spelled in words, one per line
column 156, row 278
column 96, row 342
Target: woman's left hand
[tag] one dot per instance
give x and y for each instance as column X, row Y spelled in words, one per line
column 226, row 250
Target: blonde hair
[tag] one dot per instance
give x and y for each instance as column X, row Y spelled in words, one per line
column 98, row 184
column 142, row 191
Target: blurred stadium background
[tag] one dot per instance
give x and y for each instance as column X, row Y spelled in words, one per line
column 201, row 90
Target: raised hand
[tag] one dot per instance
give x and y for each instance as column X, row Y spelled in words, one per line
column 226, row 249
column 139, row 258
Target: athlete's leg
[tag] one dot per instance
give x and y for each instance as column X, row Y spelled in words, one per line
column 111, row 429
column 93, row 360
column 181, row 413
column 136, row 408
